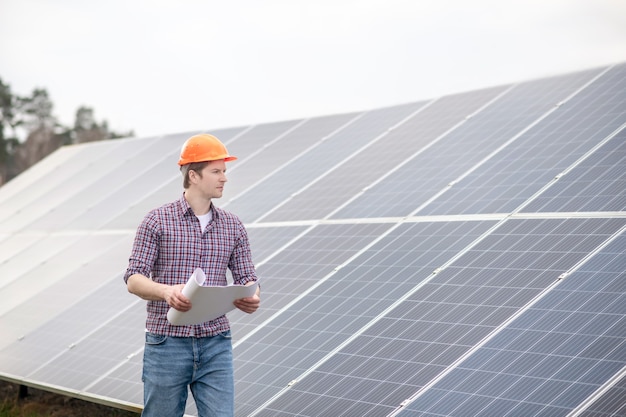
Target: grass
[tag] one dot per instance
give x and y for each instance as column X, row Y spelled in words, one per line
column 45, row 404
column 9, row 410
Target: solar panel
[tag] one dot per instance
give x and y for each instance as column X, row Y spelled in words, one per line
column 382, row 154
column 560, row 350
column 59, row 336
column 297, row 173
column 23, row 208
column 346, row 302
column 299, row 266
column 282, row 150
column 541, row 153
column 456, row 256
column 246, row 146
column 34, row 174
column 64, row 255
column 421, row 178
column 20, row 263
column 598, row 183
column 441, row 320
column 608, row 403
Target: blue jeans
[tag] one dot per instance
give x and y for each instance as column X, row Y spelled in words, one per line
column 172, row 364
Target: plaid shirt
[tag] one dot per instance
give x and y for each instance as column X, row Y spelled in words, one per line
column 169, row 245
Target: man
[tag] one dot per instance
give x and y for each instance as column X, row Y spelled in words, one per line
column 170, row 243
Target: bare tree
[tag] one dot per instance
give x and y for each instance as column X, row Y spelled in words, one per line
column 43, row 133
column 8, row 137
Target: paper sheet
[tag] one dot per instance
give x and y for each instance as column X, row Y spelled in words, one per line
column 207, row 303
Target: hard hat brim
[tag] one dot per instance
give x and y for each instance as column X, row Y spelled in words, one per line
column 228, row 158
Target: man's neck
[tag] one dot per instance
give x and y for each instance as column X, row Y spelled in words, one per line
column 199, row 205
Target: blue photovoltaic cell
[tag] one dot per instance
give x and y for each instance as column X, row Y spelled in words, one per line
column 442, row 320
column 123, row 381
column 305, row 262
column 514, row 174
column 319, row 160
column 86, row 166
column 421, row 178
column 561, row 350
column 333, row 312
column 21, row 263
column 245, row 146
column 610, row 404
column 274, row 154
column 266, row 241
column 109, row 185
column 250, row 141
column 596, row 184
column 45, row 309
column 49, row 287
column 382, row 155
column 50, row 170
column 24, row 356
column 125, row 184
column 111, row 342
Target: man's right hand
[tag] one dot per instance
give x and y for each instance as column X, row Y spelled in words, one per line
column 174, row 297
column 147, row 289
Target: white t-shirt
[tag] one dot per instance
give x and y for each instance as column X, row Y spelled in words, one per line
column 205, row 219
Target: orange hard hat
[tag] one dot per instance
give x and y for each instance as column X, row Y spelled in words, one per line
column 203, row 147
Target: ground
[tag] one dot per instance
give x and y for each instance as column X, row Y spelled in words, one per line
column 45, row 404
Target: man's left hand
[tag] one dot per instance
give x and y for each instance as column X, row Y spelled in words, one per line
column 249, row 304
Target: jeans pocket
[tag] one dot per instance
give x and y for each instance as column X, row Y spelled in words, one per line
column 155, row 339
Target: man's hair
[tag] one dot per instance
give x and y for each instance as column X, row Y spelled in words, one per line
column 194, row 166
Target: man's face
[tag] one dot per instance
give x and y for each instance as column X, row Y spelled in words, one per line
column 212, row 179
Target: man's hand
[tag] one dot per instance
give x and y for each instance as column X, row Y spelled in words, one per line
column 249, row 304
column 147, row 289
column 174, row 297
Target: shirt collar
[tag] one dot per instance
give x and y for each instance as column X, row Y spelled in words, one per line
column 185, row 208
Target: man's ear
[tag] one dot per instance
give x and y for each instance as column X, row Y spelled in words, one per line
column 193, row 176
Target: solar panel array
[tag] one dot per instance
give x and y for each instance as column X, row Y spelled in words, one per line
column 453, row 257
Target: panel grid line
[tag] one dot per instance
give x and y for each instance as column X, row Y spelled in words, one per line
column 505, row 324
column 513, row 139
column 589, row 401
column 358, row 333
column 277, row 139
column 587, row 155
column 346, row 160
column 419, row 152
column 303, row 152
column 385, row 311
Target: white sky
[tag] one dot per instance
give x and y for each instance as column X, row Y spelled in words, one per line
column 167, row 66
